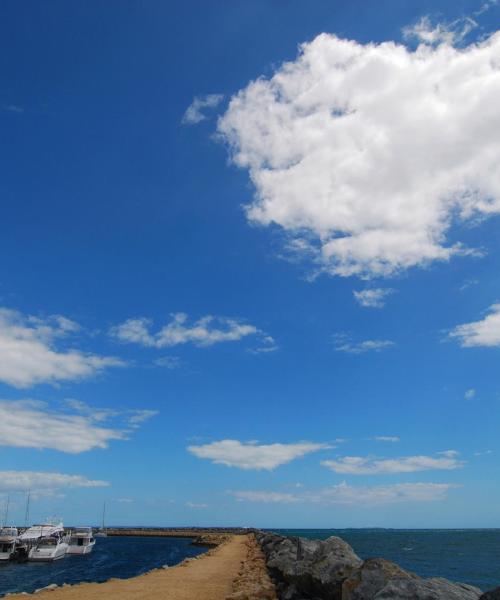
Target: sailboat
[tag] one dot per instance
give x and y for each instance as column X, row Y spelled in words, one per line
column 8, row 537
column 102, row 531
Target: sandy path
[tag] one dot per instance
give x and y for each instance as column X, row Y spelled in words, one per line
column 209, row 577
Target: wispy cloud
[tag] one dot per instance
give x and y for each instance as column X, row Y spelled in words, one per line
column 485, row 332
column 386, row 438
column 32, row 424
column 196, row 112
column 354, row 495
column 196, row 505
column 13, row 108
column 251, row 455
column 343, row 343
column 470, row 394
column 373, row 298
column 367, row 465
column 169, row 362
column 207, row 331
column 29, row 356
column 19, row 481
column 450, row 33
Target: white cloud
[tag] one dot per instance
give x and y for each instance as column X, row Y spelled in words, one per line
column 28, row 355
column 18, row 481
column 470, row 394
column 196, row 505
column 367, row 465
column 266, row 497
column 387, row 438
column 169, row 362
column 140, row 416
column 268, row 344
column 196, row 111
column 344, row 344
column 367, row 154
column 207, row 331
column 483, row 453
column 442, row 33
column 480, row 333
column 251, row 455
column 355, row 495
column 373, row 298
column 25, row 424
column 32, row 424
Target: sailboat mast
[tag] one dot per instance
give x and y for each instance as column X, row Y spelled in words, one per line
column 27, row 513
column 103, row 515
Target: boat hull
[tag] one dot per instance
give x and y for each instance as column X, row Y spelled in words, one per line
column 48, row 554
column 80, row 549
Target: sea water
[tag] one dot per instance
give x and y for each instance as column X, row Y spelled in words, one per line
column 466, row 555
column 120, row 557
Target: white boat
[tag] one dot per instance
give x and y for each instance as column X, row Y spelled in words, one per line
column 8, row 539
column 46, row 542
column 81, row 541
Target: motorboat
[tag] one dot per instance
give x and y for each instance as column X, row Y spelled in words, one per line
column 45, row 542
column 81, row 541
column 8, row 540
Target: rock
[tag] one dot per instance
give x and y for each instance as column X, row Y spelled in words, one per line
column 308, row 569
column 491, row 595
column 427, row 589
column 371, row 577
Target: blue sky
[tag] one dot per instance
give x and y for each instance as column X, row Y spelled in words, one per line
column 235, row 291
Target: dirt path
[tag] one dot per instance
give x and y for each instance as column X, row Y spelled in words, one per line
column 216, row 575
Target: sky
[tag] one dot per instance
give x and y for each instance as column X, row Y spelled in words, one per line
column 249, row 263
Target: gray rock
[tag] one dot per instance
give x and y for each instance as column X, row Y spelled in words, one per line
column 491, row 595
column 370, row 578
column 427, row 589
column 308, row 569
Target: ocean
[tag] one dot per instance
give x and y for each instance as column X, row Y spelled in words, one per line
column 470, row 556
column 466, row 555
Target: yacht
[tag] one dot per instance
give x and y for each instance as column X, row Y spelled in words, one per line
column 81, row 541
column 8, row 539
column 45, row 542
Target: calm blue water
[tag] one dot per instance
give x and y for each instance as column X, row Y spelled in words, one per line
column 112, row 557
column 468, row 555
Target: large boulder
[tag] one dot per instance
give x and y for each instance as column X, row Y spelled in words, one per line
column 491, row 595
column 380, row 579
column 371, row 577
column 308, row 569
column 427, row 589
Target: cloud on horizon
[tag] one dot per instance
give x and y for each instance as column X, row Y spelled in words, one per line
column 368, row 465
column 41, row 481
column 353, row 495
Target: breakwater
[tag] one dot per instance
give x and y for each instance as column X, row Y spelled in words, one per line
column 308, row 569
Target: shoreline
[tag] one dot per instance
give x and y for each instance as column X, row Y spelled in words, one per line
column 233, row 569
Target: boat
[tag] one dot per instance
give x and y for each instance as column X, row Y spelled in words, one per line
column 102, row 532
column 81, row 541
column 46, row 542
column 8, row 540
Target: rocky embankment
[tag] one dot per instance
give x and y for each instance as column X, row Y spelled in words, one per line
column 304, row 569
